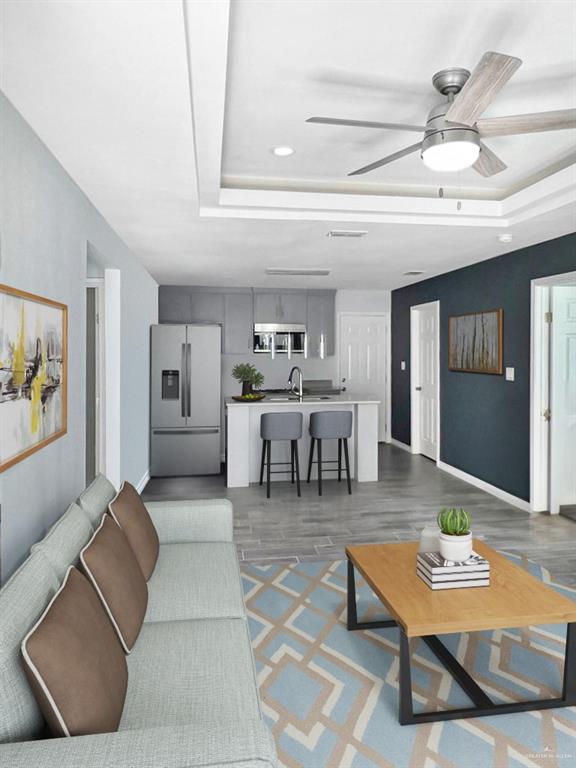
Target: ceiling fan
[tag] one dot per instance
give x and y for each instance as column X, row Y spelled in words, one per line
column 454, row 129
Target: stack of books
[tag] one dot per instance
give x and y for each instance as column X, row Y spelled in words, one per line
column 445, row 574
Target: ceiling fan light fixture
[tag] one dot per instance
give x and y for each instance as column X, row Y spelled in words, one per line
column 450, row 154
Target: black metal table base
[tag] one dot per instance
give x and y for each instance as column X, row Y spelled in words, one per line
column 483, row 705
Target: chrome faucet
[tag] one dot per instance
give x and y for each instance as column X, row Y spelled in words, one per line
column 292, row 386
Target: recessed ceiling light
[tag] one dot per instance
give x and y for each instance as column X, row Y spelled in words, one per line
column 282, row 151
column 506, row 237
column 297, row 271
column 346, row 233
column 414, row 272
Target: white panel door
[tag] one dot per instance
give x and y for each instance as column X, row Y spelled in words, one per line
column 563, row 398
column 363, row 353
column 428, row 380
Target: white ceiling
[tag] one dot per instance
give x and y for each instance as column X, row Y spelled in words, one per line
column 107, row 87
column 374, row 61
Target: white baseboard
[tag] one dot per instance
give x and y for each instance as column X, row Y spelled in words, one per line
column 400, row 444
column 484, row 486
column 143, row 481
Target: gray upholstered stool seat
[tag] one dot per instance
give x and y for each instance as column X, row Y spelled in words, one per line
column 286, row 425
column 281, row 426
column 330, row 425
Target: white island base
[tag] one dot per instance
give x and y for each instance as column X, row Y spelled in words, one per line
column 244, row 445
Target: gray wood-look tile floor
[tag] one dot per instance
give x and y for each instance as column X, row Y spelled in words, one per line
column 410, row 491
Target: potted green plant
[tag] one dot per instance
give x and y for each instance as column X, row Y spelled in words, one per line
column 455, row 536
column 249, row 376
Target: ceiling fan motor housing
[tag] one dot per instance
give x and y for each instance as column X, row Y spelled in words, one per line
column 439, row 132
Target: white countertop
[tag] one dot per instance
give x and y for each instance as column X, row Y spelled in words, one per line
column 308, row 400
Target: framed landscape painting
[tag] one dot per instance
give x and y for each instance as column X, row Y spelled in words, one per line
column 33, row 373
column 475, row 342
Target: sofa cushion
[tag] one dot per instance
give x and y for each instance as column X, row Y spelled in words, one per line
column 95, row 499
column 74, row 662
column 197, row 672
column 63, row 542
column 195, row 581
column 111, row 566
column 128, row 510
column 22, row 600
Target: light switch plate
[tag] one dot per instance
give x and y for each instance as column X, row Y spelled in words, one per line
column 403, row 365
column 509, row 374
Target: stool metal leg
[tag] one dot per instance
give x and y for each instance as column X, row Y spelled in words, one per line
column 339, row 459
column 319, row 467
column 310, row 458
column 292, row 461
column 297, row 462
column 262, row 462
column 347, row 459
column 268, row 468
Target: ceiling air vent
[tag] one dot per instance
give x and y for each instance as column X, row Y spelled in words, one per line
column 346, row 233
column 296, row 271
column 415, row 272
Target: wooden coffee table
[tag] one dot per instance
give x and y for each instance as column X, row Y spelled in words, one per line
column 513, row 599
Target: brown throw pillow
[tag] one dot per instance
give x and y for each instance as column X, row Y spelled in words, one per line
column 110, row 564
column 128, row 510
column 74, row 662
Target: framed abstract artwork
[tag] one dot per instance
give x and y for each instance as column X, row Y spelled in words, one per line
column 33, row 373
column 475, row 342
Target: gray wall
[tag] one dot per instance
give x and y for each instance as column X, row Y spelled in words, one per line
column 46, row 224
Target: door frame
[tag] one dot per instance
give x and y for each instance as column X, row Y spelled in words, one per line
column 539, row 388
column 387, row 367
column 97, row 283
column 415, row 375
column 112, row 374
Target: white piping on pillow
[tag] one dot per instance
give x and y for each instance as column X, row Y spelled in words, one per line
column 98, row 590
column 32, row 666
column 110, row 510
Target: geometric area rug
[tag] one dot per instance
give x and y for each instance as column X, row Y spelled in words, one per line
column 330, row 696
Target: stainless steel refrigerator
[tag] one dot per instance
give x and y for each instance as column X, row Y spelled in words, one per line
column 185, row 400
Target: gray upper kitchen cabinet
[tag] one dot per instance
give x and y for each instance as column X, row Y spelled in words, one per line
column 238, row 326
column 293, row 307
column 206, row 307
column 266, row 307
column 186, row 304
column 174, row 304
column 279, row 306
column 320, row 323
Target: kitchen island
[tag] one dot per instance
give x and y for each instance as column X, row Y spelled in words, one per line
column 244, row 446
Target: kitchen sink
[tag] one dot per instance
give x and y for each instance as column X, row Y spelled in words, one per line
column 312, row 398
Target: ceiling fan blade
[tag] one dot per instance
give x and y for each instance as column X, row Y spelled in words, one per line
column 491, row 74
column 488, row 164
column 558, row 120
column 388, row 159
column 367, row 124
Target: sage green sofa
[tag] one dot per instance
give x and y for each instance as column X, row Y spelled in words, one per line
column 192, row 697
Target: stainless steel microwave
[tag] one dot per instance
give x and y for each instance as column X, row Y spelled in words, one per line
column 280, row 339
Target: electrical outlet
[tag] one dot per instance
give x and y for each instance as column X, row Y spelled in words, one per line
column 509, row 374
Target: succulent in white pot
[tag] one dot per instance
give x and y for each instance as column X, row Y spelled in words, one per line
column 455, row 536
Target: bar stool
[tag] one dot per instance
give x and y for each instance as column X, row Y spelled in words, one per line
column 330, row 425
column 280, row 426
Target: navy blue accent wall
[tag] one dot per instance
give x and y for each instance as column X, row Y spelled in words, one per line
column 485, row 420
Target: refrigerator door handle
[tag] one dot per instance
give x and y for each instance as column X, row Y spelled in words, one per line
column 195, row 431
column 184, row 370
column 188, row 379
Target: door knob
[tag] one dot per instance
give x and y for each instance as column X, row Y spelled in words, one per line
column 418, row 389
column 343, row 380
